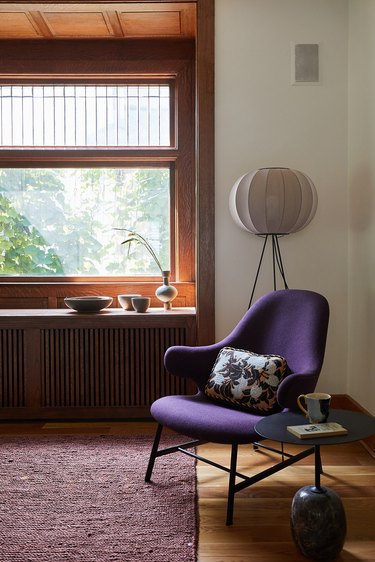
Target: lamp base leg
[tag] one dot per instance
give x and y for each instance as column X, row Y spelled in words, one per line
column 276, row 261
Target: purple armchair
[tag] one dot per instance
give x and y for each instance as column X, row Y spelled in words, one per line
column 292, row 323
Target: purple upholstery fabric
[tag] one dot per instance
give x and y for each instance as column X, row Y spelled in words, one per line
column 292, row 323
column 201, row 418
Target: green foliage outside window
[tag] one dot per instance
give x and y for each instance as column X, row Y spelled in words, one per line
column 62, row 221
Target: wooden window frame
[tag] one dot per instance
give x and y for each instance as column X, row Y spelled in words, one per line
column 179, row 157
column 50, row 60
column 205, row 171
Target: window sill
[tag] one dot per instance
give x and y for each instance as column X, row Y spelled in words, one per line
column 108, row 318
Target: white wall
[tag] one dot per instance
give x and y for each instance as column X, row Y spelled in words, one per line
column 262, row 120
column 361, row 383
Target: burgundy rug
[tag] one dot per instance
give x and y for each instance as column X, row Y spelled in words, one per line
column 84, row 499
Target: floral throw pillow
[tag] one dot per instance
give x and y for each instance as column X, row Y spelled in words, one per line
column 246, row 379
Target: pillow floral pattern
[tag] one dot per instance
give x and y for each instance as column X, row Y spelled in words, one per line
column 246, row 379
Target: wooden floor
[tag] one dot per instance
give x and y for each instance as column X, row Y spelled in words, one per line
column 261, row 529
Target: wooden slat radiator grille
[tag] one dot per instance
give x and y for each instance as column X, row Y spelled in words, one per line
column 12, row 379
column 107, row 367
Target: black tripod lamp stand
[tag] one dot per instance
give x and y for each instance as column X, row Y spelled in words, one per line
column 273, row 202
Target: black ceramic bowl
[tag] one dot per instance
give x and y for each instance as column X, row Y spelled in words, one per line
column 88, row 304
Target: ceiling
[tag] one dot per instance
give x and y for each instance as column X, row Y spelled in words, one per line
column 97, row 20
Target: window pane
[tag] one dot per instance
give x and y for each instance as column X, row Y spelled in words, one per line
column 63, row 221
column 84, row 115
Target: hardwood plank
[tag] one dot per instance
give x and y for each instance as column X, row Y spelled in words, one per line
column 285, row 552
column 261, row 527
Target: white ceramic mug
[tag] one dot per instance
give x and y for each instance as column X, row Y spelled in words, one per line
column 317, row 406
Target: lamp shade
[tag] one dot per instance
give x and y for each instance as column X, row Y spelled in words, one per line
column 273, row 201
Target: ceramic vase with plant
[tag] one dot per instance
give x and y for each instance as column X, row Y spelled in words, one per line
column 166, row 293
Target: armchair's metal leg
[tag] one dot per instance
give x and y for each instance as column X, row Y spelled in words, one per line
column 232, row 483
column 153, row 454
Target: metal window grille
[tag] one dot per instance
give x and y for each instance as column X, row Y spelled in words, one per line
column 84, row 115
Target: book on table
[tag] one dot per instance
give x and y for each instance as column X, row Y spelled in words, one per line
column 317, row 430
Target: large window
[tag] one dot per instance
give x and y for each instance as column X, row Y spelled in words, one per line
column 62, row 221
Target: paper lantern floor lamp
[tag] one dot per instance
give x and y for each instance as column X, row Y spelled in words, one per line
column 273, row 202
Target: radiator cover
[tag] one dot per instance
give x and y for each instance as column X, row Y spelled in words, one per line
column 107, row 367
column 54, row 365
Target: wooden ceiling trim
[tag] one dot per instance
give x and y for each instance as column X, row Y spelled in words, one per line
column 94, row 2
column 188, row 21
column 101, row 20
column 155, row 7
column 162, row 11
column 40, row 22
column 78, row 24
column 150, row 24
column 24, row 61
column 114, row 20
column 16, row 24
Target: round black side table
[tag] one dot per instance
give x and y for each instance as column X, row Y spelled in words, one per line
column 318, row 519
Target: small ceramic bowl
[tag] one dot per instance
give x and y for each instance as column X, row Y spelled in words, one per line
column 141, row 304
column 88, row 304
column 126, row 301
